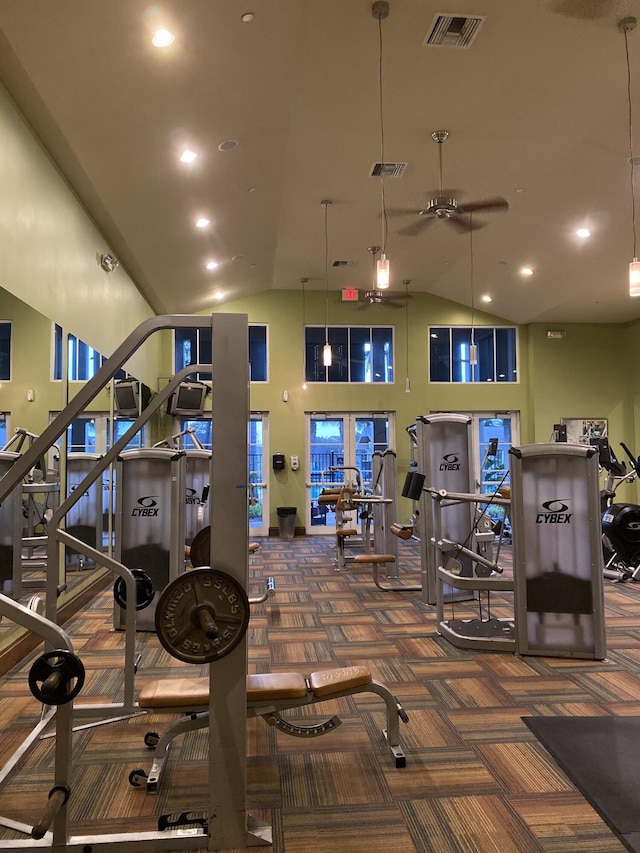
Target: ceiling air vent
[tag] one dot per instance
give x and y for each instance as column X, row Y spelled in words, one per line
column 387, row 170
column 342, row 263
column 449, row 30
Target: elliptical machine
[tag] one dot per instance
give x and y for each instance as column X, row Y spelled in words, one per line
column 620, row 522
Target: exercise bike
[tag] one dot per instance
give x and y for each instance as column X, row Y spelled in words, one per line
column 620, row 521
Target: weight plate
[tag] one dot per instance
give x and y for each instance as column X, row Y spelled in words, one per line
column 202, row 615
column 201, row 548
column 56, row 677
column 144, row 590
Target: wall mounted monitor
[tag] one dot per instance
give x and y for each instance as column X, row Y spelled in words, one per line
column 130, row 397
column 188, row 400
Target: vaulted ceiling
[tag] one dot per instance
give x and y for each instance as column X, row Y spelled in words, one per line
column 536, row 107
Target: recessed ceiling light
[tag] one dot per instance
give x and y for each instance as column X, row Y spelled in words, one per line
column 486, row 298
column 526, row 271
column 251, row 189
column 162, row 38
column 247, row 17
column 237, row 257
column 211, row 265
column 219, row 295
column 583, row 233
column 519, row 189
column 188, row 156
column 228, row 144
column 202, row 222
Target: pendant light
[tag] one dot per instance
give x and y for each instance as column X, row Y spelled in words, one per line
column 380, row 11
column 407, row 381
column 327, row 358
column 473, row 349
column 626, row 25
column 303, row 281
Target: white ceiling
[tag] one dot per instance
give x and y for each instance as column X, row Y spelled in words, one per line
column 537, row 111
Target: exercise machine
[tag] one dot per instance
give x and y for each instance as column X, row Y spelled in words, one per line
column 198, row 619
column 620, row 521
column 227, row 824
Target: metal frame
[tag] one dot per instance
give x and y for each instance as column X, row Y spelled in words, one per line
column 452, row 434
column 479, row 634
column 228, row 824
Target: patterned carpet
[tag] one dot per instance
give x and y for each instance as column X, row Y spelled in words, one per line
column 476, row 779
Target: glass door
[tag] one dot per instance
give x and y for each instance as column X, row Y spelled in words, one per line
column 258, row 454
column 494, row 434
column 339, row 452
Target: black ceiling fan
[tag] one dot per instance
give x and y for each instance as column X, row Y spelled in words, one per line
column 446, row 207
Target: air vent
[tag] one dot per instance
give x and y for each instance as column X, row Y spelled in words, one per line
column 387, row 170
column 449, row 30
column 343, row 263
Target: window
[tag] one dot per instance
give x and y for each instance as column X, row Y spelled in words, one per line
column 5, row 350
column 83, row 361
column 450, row 354
column 193, row 346
column 359, row 354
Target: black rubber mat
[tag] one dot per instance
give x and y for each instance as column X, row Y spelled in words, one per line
column 601, row 756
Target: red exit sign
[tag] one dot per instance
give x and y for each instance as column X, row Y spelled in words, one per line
column 350, row 294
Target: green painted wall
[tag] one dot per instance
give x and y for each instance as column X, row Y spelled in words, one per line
column 50, row 249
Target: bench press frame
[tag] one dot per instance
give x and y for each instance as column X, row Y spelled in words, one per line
column 197, row 717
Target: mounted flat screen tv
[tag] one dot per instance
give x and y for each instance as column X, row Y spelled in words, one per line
column 188, row 400
column 130, row 397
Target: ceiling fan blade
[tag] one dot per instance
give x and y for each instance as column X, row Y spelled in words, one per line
column 486, row 204
column 416, row 227
column 465, row 223
column 401, row 211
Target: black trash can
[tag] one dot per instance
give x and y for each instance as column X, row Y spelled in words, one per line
column 287, row 521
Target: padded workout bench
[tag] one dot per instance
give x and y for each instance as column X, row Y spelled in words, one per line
column 267, row 695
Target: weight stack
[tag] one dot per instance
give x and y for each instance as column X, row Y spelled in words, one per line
column 150, row 521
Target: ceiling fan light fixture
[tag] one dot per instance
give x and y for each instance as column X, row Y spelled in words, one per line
column 382, row 272
column 162, row 38
column 634, row 277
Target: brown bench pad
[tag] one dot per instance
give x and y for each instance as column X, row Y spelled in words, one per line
column 372, row 558
column 271, row 686
column 328, row 681
column 402, row 530
column 176, row 693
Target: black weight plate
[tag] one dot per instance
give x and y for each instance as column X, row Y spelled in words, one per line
column 51, row 675
column 209, row 589
column 201, row 548
column 144, row 590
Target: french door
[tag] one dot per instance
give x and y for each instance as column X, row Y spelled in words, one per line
column 498, row 431
column 258, row 450
column 340, row 446
column 258, row 455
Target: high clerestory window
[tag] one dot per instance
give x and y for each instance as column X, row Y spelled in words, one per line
column 450, row 354
column 359, row 354
column 83, row 360
column 5, row 350
column 193, row 346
